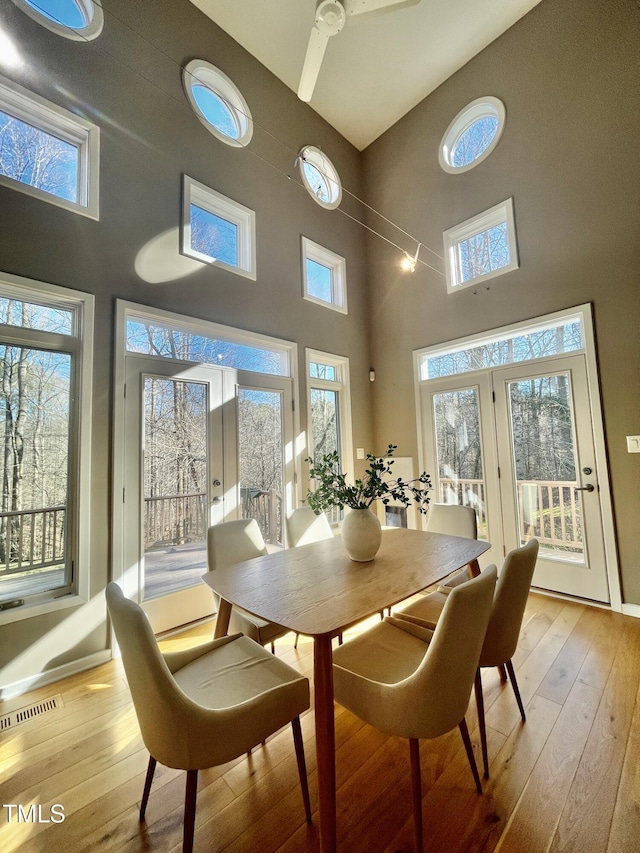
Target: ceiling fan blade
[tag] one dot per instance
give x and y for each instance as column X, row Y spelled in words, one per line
column 313, row 60
column 365, row 7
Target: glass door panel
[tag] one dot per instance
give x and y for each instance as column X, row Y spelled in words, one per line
column 459, row 451
column 541, row 421
column 549, row 483
column 460, row 477
column 175, row 495
column 173, row 475
column 261, row 460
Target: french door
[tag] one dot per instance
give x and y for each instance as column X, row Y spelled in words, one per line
column 174, row 485
column 202, row 445
column 517, row 443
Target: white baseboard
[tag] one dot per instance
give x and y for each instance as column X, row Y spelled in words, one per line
column 631, row 610
column 41, row 679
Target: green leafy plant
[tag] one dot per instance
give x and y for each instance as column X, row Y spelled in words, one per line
column 332, row 489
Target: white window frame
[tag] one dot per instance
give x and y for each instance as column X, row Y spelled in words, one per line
column 207, row 75
column 338, row 267
column 81, row 346
column 318, row 159
column 242, row 217
column 496, row 215
column 50, row 118
column 342, row 385
column 487, row 107
column 93, row 14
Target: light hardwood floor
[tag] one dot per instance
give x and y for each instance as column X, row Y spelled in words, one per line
column 567, row 780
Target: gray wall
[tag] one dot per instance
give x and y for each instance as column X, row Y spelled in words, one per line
column 568, row 74
column 128, row 81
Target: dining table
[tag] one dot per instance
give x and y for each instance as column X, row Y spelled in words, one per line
column 318, row 591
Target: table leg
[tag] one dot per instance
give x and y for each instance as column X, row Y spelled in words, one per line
column 474, row 568
column 222, row 619
column 325, row 741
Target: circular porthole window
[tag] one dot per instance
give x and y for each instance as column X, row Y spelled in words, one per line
column 320, row 177
column 472, row 135
column 80, row 20
column 218, row 103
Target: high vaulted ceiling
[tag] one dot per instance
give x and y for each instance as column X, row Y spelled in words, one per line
column 379, row 66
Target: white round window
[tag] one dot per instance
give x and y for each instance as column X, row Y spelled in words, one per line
column 80, row 20
column 472, row 135
column 218, row 103
column 320, row 177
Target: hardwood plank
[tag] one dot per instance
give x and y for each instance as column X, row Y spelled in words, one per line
column 504, row 713
column 565, row 669
column 535, row 817
column 568, row 779
column 625, row 825
column 587, row 815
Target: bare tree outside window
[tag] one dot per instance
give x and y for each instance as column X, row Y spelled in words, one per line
column 35, row 157
column 35, row 399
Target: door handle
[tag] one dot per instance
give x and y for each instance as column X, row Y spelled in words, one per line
column 587, row 488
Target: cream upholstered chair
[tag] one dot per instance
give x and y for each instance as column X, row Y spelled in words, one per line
column 504, row 625
column 234, row 542
column 207, row 705
column 452, row 520
column 304, row 527
column 409, row 681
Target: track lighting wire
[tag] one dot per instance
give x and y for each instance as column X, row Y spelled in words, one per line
column 264, row 130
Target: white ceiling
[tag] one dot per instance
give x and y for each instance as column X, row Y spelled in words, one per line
column 379, row 66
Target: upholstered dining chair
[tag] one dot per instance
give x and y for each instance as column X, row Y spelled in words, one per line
column 207, row 705
column 304, row 526
column 409, row 681
column 234, row 542
column 453, row 520
column 504, row 626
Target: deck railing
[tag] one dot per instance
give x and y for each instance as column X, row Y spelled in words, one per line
column 32, row 539
column 548, row 510
column 175, row 519
column 180, row 519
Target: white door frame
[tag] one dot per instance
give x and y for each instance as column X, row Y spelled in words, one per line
column 287, row 384
column 584, row 314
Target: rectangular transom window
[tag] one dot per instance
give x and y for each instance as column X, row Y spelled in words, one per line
column 152, row 337
column 527, row 343
column 48, row 152
column 481, row 248
column 324, row 276
column 218, row 230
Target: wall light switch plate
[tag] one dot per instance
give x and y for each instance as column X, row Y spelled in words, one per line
column 633, row 443
column 359, row 452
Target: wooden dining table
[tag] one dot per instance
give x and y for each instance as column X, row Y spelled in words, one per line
column 317, row 590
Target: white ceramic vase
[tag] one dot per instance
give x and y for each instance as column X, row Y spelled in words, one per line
column 361, row 534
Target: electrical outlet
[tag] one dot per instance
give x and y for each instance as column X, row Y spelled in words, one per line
column 359, row 452
column 633, row 443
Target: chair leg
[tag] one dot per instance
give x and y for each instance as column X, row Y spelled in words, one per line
column 503, row 672
column 273, row 648
column 416, row 789
column 302, row 766
column 477, row 686
column 514, row 683
column 464, row 731
column 151, row 768
column 295, row 644
column 190, row 811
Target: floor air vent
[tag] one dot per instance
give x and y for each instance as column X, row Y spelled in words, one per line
column 30, row 712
